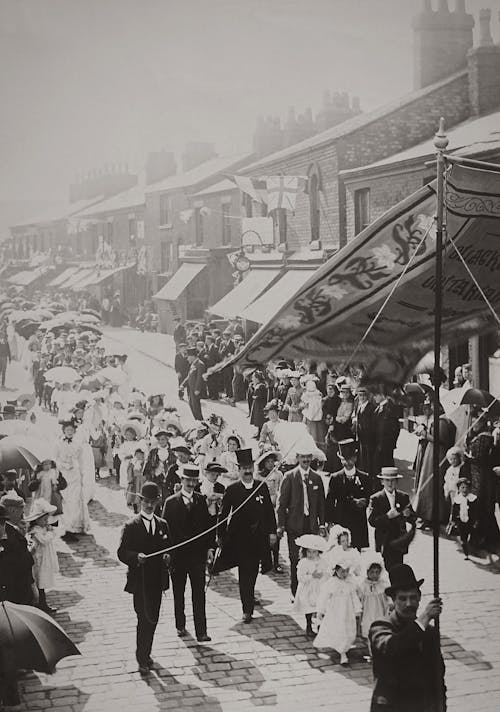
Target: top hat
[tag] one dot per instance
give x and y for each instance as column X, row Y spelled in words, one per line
column 402, row 578
column 389, row 473
column 347, row 448
column 244, row 457
column 3, row 514
column 189, row 470
column 39, row 508
column 150, row 490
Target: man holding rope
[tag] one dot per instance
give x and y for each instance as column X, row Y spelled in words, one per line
column 147, row 576
column 247, row 539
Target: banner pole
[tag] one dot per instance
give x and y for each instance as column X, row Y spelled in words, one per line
column 440, row 143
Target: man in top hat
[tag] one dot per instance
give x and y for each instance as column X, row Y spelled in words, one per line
column 348, row 495
column 187, row 515
column 392, row 516
column 147, row 577
column 247, row 540
column 408, row 667
column 301, row 506
column 195, row 383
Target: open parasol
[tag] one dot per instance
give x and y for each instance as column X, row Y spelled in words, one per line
column 21, row 450
column 31, row 639
column 62, row 374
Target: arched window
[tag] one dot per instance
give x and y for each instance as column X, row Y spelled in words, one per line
column 314, row 186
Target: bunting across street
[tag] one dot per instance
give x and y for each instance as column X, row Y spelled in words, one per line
column 372, row 303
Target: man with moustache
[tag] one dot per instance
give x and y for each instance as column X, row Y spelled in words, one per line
column 408, row 667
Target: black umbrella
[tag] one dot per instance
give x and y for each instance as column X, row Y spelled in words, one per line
column 418, row 392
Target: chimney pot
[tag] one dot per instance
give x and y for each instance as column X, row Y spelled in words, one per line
column 485, row 38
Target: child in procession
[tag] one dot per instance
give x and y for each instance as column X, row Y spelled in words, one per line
column 311, row 574
column 465, row 513
column 43, row 550
column 371, row 592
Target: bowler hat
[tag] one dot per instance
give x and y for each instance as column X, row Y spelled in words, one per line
column 402, row 578
column 244, row 457
column 150, row 490
column 215, row 467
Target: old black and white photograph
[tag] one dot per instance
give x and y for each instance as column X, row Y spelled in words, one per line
column 249, row 355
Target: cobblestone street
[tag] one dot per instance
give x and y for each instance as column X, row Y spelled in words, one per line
column 268, row 663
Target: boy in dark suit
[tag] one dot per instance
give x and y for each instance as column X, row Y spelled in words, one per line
column 147, row 577
column 301, row 506
column 389, row 511
column 408, row 668
column 187, row 515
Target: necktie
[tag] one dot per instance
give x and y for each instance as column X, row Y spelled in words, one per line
column 306, row 498
column 149, row 525
column 188, row 502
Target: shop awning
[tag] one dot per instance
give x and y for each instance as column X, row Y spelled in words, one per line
column 65, row 274
column 27, row 277
column 271, row 301
column 76, row 278
column 372, row 304
column 179, row 281
column 98, row 276
column 247, row 291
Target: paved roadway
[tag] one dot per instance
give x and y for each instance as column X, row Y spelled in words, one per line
column 268, row 663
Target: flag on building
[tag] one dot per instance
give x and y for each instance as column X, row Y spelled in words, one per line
column 254, row 187
column 282, row 191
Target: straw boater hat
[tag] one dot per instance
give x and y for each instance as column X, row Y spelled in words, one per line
column 39, row 508
column 389, row 473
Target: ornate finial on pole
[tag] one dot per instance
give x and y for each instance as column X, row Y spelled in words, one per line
column 441, row 140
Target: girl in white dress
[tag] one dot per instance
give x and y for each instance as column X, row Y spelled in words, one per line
column 338, row 607
column 371, row 592
column 229, row 461
column 339, row 540
column 46, row 474
column 132, row 432
column 311, row 574
column 43, row 550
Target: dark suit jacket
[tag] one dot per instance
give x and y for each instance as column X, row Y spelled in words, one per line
column 195, row 376
column 181, row 365
column 290, row 509
column 405, row 664
column 246, row 537
column 365, row 424
column 386, row 425
column 387, row 530
column 185, row 523
column 16, row 566
column 341, row 508
column 135, row 540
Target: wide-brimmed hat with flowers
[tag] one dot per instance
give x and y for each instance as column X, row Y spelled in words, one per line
column 40, row 508
column 312, row 541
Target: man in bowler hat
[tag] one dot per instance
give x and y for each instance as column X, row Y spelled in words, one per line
column 408, row 667
column 247, row 540
column 147, row 577
column 301, row 506
column 392, row 516
column 187, row 515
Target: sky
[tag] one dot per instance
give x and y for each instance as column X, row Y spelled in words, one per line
column 89, row 82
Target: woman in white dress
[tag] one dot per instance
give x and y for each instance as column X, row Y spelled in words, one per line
column 229, row 461
column 68, row 454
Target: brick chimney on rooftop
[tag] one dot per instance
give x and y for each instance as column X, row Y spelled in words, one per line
column 484, row 69
column 441, row 41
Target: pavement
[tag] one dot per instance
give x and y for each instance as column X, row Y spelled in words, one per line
column 268, row 663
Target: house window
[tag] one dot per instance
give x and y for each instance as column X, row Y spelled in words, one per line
column 165, row 256
column 314, row 207
column 280, row 224
column 198, row 227
column 132, row 229
column 226, row 224
column 164, row 210
column 247, row 203
column 361, row 209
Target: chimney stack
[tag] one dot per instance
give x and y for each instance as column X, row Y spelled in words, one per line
column 441, row 41
column 484, row 69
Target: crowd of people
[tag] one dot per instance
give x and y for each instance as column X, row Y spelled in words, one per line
column 318, row 472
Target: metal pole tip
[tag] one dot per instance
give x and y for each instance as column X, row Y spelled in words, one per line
column 440, row 138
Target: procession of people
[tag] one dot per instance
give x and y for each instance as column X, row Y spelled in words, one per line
column 318, row 473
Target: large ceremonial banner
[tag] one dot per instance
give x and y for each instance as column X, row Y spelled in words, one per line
column 329, row 317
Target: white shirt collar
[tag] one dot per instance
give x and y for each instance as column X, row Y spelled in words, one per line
column 187, row 495
column 247, row 486
column 303, row 472
column 149, row 517
column 350, row 472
